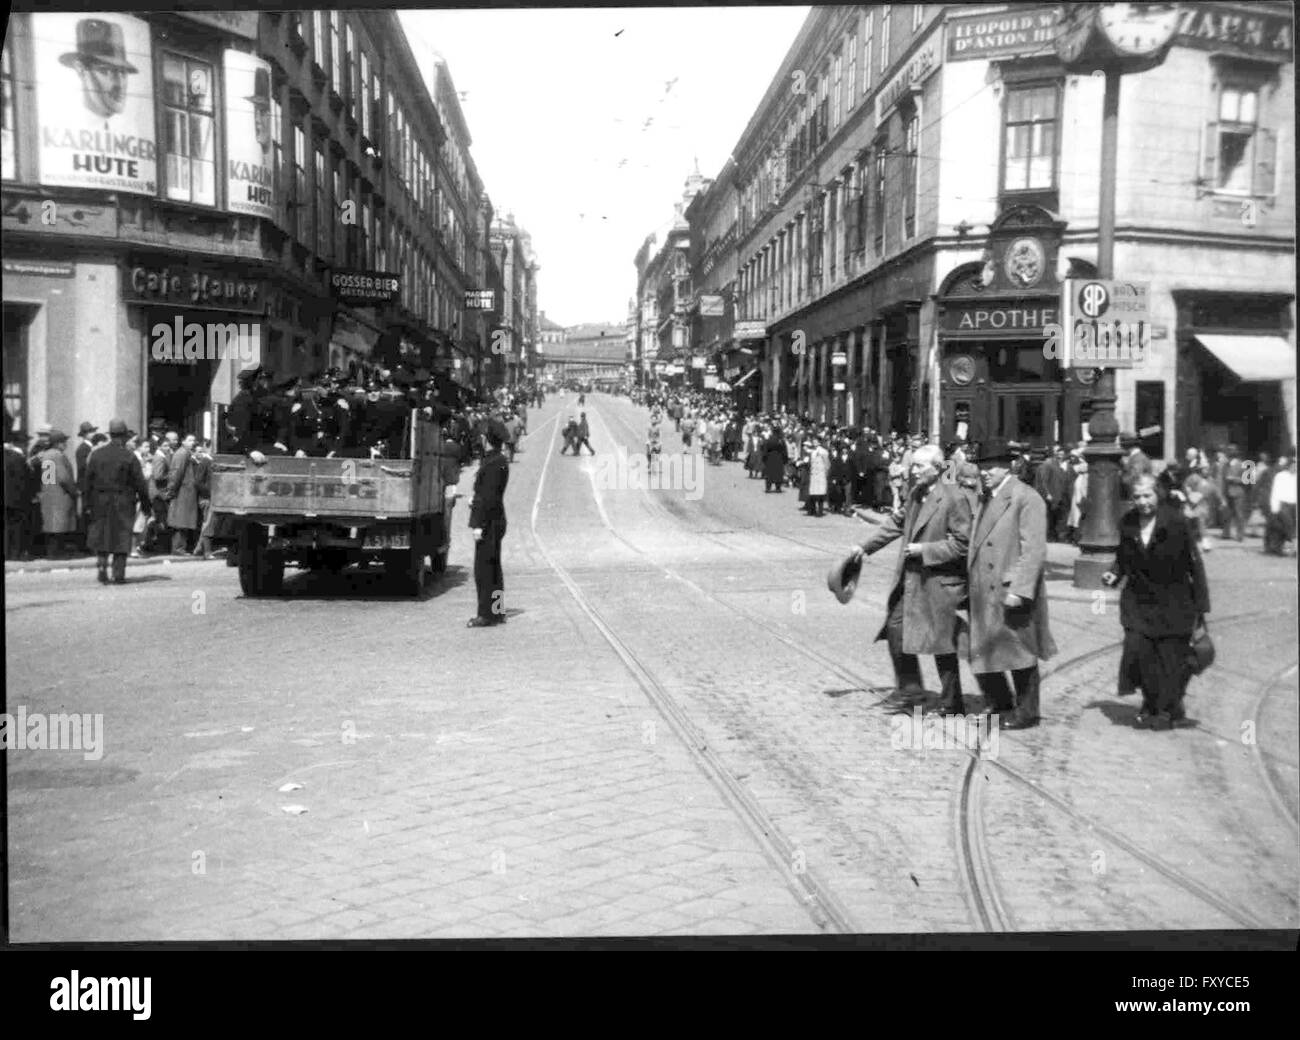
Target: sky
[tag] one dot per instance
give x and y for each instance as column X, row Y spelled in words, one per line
column 586, row 123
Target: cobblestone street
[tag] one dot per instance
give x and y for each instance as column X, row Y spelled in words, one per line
column 679, row 732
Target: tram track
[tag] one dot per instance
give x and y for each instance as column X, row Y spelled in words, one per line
column 986, row 902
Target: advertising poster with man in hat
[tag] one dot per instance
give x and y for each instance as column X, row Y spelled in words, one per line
column 249, row 170
column 94, row 91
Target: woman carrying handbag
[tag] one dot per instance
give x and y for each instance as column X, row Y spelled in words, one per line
column 1163, row 603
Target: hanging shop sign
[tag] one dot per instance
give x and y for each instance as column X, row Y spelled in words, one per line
column 364, row 286
column 710, row 381
column 839, row 358
column 921, row 66
column 184, row 286
column 697, row 362
column 94, row 95
column 1104, row 323
column 837, row 387
column 250, row 173
column 711, row 307
column 750, row 330
column 480, row 299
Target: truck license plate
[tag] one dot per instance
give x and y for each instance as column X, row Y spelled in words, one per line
column 397, row 540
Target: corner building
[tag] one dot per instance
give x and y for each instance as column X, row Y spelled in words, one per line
column 277, row 172
column 918, row 180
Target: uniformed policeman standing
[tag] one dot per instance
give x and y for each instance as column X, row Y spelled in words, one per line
column 487, row 519
column 114, row 482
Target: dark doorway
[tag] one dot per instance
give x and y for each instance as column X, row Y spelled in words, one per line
column 17, row 323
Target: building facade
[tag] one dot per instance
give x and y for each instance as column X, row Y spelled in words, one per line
column 918, row 180
column 514, row 336
column 271, row 180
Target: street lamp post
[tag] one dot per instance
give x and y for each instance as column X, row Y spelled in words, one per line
column 1114, row 39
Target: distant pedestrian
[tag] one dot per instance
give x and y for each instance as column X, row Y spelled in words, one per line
column 1008, row 594
column 182, row 498
column 85, row 445
column 775, row 456
column 1164, row 599
column 1236, row 495
column 819, row 465
column 583, row 433
column 1280, row 523
column 115, row 483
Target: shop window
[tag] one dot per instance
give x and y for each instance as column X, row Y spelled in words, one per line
column 1239, row 156
column 16, row 323
column 1019, row 363
column 8, row 122
column 1030, row 135
column 189, row 144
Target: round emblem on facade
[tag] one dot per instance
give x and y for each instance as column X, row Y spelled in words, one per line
column 1025, row 262
column 1086, row 376
column 961, row 369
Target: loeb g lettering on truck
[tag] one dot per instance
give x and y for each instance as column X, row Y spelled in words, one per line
column 265, row 486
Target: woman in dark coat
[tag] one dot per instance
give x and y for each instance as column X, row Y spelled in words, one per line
column 774, row 459
column 1165, row 595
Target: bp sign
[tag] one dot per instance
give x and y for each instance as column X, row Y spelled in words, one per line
column 1104, row 324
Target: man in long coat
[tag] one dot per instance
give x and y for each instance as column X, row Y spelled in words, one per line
column 487, row 519
column 182, row 495
column 114, row 483
column 929, row 584
column 1008, row 593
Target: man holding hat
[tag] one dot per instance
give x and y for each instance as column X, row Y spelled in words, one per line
column 929, row 583
column 1008, row 594
column 115, row 482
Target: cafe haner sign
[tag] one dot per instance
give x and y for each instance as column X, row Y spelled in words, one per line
column 94, row 94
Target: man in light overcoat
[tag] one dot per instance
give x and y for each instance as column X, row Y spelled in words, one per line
column 1008, row 593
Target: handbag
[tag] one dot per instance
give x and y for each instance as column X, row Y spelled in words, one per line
column 1200, row 651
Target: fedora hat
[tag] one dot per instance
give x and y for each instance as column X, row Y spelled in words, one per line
column 117, row 428
column 842, row 579
column 86, row 427
column 101, row 42
column 261, row 94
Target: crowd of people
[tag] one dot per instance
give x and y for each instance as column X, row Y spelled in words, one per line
column 840, row 467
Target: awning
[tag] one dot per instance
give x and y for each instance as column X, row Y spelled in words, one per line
column 1253, row 358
